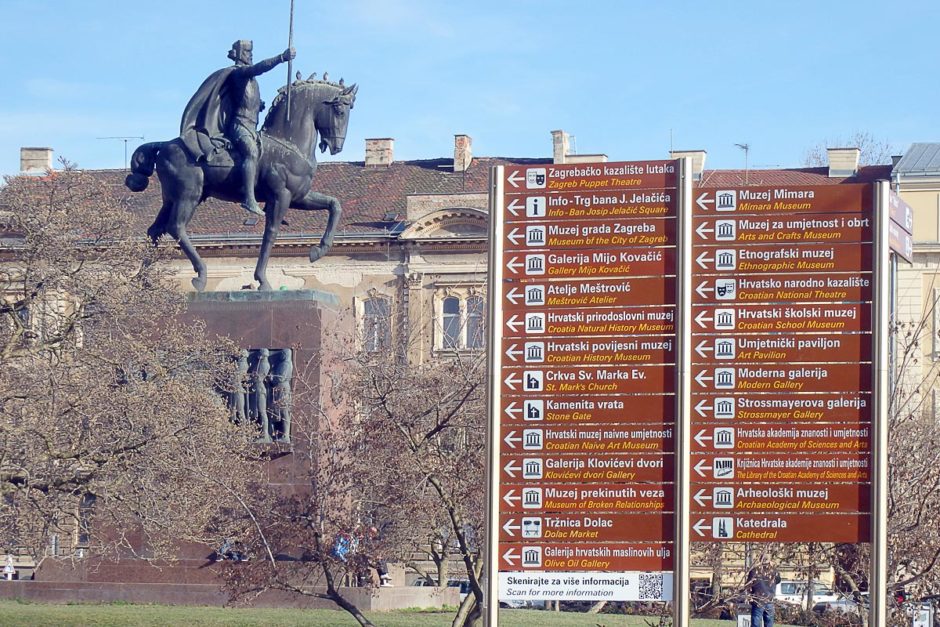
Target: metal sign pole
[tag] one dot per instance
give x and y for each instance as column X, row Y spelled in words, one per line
column 494, row 357
column 878, row 578
column 681, row 548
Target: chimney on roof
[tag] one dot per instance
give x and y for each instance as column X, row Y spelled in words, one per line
column 35, row 160
column 560, row 147
column 379, row 152
column 698, row 160
column 463, row 153
column 843, row 162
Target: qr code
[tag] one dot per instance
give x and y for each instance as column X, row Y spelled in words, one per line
column 651, row 586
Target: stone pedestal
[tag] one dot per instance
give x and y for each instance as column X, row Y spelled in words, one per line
column 294, row 319
column 253, row 320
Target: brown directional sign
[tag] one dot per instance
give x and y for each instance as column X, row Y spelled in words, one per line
column 827, row 497
column 591, row 497
column 782, row 407
column 832, row 228
column 589, row 293
column 900, row 212
column 798, row 438
column 783, row 348
column 586, row 526
column 594, row 439
column 766, row 259
column 900, row 242
column 586, row 352
column 584, row 468
column 813, row 288
column 815, row 468
column 589, row 235
column 563, row 412
column 848, row 317
column 591, row 177
column 783, row 200
column 585, row 557
column 591, row 322
column 575, row 380
column 782, row 376
column 616, row 350
column 591, row 263
column 764, row 527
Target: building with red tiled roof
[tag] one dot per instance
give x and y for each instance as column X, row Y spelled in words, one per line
column 413, row 239
column 413, row 234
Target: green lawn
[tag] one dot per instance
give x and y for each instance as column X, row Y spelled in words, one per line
column 39, row 615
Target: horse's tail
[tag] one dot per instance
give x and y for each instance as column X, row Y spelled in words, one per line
column 142, row 163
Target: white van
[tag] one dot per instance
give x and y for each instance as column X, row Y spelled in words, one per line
column 795, row 592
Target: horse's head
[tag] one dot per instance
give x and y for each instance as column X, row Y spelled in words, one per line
column 316, row 106
column 333, row 118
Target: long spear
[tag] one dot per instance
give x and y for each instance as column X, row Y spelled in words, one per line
column 290, row 68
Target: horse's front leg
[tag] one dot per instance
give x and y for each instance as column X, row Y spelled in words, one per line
column 315, row 201
column 274, row 213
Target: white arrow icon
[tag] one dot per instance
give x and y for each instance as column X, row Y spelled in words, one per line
column 512, row 411
column 701, row 349
column 515, row 178
column 511, row 381
column 511, row 468
column 703, row 229
column 700, row 408
column 700, row 498
column 701, row 467
column 701, row 259
column 513, row 264
column 510, row 527
column 703, row 200
column 513, row 295
column 700, row 378
column 512, row 351
column 511, row 439
column 515, row 206
column 702, row 289
column 514, row 322
column 514, row 235
column 700, row 437
column 700, row 319
column 510, row 557
column 700, row 527
column 511, row 498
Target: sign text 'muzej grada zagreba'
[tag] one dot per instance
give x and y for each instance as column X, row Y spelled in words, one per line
column 588, row 315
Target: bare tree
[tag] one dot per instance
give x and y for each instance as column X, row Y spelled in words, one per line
column 873, row 151
column 397, row 466
column 112, row 429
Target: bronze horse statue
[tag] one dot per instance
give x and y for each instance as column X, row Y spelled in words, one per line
column 285, row 171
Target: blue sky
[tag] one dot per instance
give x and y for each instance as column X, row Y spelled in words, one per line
column 624, row 78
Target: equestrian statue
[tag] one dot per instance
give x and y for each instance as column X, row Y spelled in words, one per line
column 220, row 153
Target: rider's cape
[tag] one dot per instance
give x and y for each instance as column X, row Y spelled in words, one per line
column 206, row 116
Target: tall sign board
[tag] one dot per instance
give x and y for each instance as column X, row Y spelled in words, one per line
column 584, row 272
column 670, row 367
column 782, row 364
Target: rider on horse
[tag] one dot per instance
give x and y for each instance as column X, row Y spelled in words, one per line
column 226, row 106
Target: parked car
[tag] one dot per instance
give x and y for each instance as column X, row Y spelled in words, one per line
column 795, row 592
column 843, row 605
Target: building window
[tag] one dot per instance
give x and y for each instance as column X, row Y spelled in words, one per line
column 376, row 324
column 460, row 318
column 475, row 318
column 450, row 323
